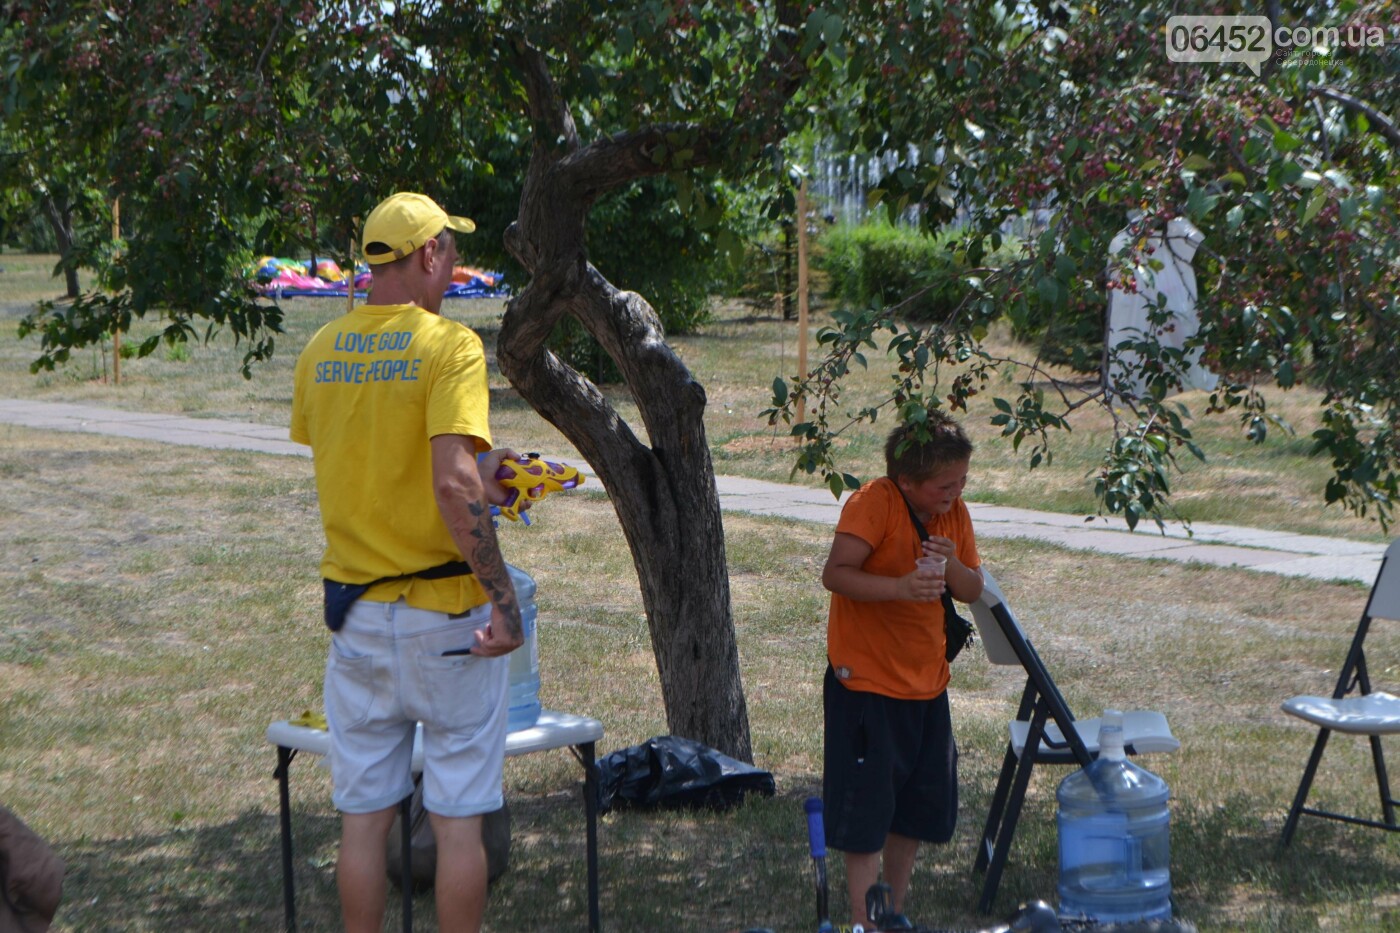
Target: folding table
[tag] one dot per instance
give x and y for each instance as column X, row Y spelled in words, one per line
column 553, row 730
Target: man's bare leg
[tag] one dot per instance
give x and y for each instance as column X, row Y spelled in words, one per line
column 360, row 869
column 461, row 873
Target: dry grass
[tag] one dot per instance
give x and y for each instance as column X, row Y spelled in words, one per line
column 165, row 609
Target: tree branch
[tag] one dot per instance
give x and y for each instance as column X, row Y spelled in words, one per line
column 553, row 122
column 1380, row 123
column 592, row 170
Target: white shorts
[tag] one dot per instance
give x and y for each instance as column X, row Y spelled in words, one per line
column 386, row 672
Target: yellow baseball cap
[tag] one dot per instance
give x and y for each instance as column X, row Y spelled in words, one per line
column 402, row 223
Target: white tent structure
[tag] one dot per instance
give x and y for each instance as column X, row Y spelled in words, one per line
column 1129, row 312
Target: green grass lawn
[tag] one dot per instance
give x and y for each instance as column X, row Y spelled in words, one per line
column 164, row 608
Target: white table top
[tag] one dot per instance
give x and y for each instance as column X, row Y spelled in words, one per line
column 553, row 730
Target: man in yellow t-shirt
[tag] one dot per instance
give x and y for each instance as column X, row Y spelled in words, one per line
column 890, row 776
column 393, row 400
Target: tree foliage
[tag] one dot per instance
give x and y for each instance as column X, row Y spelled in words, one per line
column 228, row 130
column 236, row 128
column 231, row 129
column 1076, row 109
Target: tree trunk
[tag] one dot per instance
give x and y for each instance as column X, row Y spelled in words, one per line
column 61, row 220
column 664, row 493
column 664, row 490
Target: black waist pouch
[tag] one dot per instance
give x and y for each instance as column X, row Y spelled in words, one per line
column 339, row 597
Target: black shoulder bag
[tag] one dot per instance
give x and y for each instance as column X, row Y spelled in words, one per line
column 957, row 631
column 341, row 596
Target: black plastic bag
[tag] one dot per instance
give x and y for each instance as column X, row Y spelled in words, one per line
column 672, row 772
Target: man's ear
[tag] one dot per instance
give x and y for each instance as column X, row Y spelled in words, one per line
column 431, row 255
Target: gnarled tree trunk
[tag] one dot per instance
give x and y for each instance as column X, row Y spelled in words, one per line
column 663, row 489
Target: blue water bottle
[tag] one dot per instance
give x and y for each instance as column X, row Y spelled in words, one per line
column 1113, row 823
column 524, row 709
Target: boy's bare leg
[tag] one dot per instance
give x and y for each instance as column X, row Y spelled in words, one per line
column 862, row 870
column 899, row 867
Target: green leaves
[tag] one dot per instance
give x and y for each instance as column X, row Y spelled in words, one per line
column 228, row 137
column 780, row 391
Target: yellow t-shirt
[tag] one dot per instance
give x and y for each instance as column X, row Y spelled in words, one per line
column 894, row 647
column 372, row 388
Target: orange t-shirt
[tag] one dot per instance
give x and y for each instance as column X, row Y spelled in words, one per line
column 893, row 647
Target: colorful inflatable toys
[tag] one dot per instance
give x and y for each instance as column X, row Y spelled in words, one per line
column 533, row 479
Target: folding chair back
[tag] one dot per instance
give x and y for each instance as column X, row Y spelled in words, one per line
column 989, row 629
column 1354, row 708
column 1043, row 732
column 1385, row 594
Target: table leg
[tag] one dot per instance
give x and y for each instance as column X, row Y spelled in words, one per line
column 590, row 810
column 406, row 860
column 284, row 761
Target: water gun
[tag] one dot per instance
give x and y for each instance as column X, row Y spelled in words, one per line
column 531, row 479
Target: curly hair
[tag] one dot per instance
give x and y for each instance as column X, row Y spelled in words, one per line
column 918, row 450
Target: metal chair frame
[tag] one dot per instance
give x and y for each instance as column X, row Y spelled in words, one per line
column 1041, row 705
column 1383, row 602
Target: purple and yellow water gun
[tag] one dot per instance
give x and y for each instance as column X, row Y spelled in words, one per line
column 532, row 479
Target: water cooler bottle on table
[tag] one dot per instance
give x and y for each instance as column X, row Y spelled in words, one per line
column 525, row 660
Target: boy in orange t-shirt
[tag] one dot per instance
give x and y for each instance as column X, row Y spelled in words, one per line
column 890, row 779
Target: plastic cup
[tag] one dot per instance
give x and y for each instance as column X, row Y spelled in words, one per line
column 932, row 565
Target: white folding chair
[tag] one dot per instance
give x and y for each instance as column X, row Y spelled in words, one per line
column 1354, row 707
column 1043, row 723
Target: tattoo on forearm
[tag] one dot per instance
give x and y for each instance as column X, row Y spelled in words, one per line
column 490, row 567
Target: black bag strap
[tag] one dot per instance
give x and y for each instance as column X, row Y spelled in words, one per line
column 339, row 597
column 949, row 610
column 453, row 568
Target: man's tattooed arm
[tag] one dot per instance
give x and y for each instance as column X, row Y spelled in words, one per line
column 460, row 495
column 484, row 554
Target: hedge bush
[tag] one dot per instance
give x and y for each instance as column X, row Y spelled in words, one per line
column 879, row 263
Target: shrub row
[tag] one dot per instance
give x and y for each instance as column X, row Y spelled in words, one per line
column 886, row 265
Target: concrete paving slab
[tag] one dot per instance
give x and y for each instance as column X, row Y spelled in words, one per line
column 1283, row 541
column 983, row 513
column 741, row 486
column 1089, row 540
column 807, row 513
column 266, row 432
column 1354, row 569
column 764, row 503
column 68, row 411
column 41, row 422
column 1225, row 555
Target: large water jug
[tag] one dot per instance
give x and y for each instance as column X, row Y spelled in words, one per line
column 1114, row 856
column 525, row 660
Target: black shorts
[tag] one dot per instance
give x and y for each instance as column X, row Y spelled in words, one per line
column 891, row 766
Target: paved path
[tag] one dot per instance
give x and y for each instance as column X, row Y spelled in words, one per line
column 1222, row 545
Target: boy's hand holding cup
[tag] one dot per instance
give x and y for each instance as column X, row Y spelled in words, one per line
column 931, row 568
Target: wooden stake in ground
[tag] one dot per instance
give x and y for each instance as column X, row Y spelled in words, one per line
column 116, row 332
column 801, row 291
